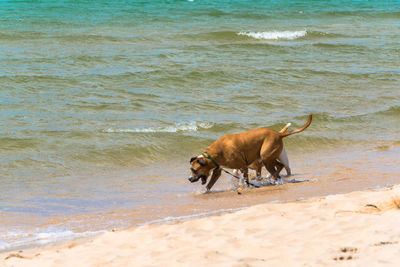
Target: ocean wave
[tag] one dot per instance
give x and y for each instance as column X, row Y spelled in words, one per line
column 275, row 35
column 393, row 110
column 356, row 117
column 247, row 36
column 361, row 13
column 178, row 127
column 78, row 37
column 10, row 143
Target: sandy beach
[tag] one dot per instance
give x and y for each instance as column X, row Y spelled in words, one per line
column 353, row 229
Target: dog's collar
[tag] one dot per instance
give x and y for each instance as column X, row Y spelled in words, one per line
column 212, row 160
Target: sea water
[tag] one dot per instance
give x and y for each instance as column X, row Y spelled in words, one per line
column 104, row 102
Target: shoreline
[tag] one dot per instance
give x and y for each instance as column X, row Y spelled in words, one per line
column 324, row 174
column 357, row 227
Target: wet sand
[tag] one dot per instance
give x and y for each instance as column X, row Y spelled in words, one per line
column 316, row 174
column 353, row 229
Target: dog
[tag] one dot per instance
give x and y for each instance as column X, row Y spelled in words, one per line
column 238, row 151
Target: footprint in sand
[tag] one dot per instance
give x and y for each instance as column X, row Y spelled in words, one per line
column 348, row 251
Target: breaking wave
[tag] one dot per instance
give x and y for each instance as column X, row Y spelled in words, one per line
column 178, row 127
column 275, row 35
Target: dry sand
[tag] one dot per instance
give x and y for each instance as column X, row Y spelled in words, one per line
column 354, row 229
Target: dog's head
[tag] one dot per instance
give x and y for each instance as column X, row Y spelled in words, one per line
column 200, row 168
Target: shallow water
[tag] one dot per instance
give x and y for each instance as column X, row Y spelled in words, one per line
column 102, row 105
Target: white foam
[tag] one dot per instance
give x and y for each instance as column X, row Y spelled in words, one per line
column 21, row 239
column 45, row 238
column 3, row 245
column 275, row 201
column 191, row 216
column 192, row 126
column 275, row 35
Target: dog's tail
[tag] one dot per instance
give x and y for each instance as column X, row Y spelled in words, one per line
column 284, row 129
column 284, row 133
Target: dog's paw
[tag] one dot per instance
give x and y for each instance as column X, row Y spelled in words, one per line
column 277, row 181
column 258, row 178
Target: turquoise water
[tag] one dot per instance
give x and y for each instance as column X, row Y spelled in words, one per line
column 102, row 103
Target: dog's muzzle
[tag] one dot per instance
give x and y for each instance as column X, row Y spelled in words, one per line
column 196, row 178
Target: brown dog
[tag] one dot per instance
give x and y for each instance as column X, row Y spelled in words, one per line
column 238, row 151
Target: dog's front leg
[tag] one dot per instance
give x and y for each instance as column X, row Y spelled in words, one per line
column 237, row 175
column 258, row 172
column 214, row 177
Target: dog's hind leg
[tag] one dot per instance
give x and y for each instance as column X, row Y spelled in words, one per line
column 279, row 166
column 283, row 158
column 269, row 153
column 257, row 166
column 274, row 167
column 270, row 166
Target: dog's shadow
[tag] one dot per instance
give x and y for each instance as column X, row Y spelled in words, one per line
column 268, row 183
column 253, row 185
column 281, row 182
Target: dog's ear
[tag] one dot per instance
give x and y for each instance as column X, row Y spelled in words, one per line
column 192, row 159
column 201, row 161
